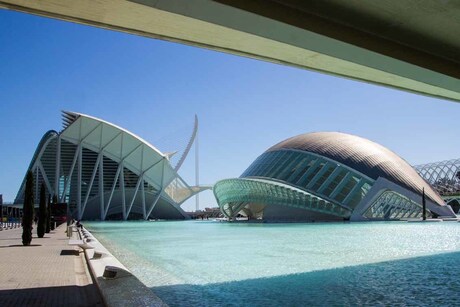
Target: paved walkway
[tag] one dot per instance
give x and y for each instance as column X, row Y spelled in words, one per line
column 47, row 273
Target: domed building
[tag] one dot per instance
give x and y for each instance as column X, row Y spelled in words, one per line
column 326, row 176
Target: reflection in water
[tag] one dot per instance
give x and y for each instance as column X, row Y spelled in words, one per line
column 204, row 263
column 428, row 280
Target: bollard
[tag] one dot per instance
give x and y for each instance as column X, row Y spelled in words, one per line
column 112, row 272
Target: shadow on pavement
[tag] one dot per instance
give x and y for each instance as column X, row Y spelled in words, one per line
column 20, row 245
column 69, row 252
column 68, row 296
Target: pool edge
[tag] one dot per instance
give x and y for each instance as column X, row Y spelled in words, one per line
column 120, row 289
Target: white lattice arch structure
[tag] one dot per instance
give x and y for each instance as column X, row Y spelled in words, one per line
column 105, row 170
column 444, row 177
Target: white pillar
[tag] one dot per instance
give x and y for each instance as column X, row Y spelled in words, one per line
column 101, row 186
column 79, row 181
column 58, row 167
column 123, row 198
column 144, row 212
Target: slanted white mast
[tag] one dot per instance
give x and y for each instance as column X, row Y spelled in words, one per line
column 193, row 141
column 189, row 145
column 197, row 160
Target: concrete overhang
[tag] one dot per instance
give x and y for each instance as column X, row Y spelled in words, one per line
column 409, row 45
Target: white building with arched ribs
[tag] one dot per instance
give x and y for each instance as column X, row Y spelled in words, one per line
column 106, row 172
column 329, row 176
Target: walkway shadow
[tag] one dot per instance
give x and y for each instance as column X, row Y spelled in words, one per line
column 20, row 245
column 69, row 252
column 422, row 281
column 68, row 296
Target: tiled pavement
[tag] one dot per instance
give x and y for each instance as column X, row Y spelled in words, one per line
column 47, row 273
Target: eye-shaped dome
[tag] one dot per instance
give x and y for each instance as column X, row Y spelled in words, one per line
column 362, row 155
column 329, row 176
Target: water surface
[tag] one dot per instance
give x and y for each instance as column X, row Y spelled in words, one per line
column 198, row 263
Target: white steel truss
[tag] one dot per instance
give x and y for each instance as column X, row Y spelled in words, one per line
column 93, row 163
column 443, row 176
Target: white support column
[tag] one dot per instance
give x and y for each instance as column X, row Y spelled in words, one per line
column 238, row 208
column 230, row 211
column 57, row 174
column 122, row 179
column 135, row 194
column 115, row 180
column 90, row 187
column 224, row 211
column 154, row 203
column 144, row 212
column 101, row 176
column 79, row 171
column 45, row 177
column 69, row 178
column 123, row 192
column 101, row 185
column 142, row 182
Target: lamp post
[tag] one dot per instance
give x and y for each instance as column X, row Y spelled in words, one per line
column 1, row 216
column 1, row 212
column 424, row 204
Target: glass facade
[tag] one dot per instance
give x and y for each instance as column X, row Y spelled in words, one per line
column 317, row 175
column 342, row 171
column 236, row 194
column 391, row 205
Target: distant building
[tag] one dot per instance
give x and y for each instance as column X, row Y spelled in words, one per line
column 206, row 213
column 328, row 176
column 444, row 177
column 106, row 172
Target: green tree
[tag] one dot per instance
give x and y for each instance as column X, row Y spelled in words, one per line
column 42, row 212
column 28, row 210
column 48, row 216
column 55, row 200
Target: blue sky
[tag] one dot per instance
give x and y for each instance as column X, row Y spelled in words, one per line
column 154, row 88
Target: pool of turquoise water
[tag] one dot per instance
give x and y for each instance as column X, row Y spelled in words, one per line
column 200, row 263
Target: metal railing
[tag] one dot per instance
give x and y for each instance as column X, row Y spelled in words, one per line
column 10, row 223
